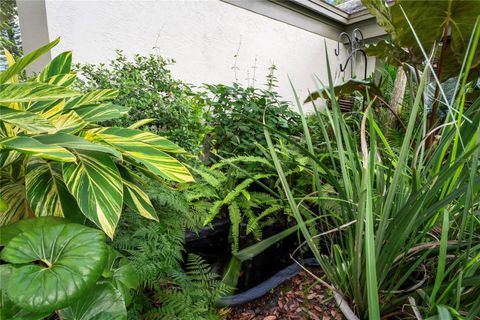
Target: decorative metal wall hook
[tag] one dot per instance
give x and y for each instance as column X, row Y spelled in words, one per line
column 354, row 46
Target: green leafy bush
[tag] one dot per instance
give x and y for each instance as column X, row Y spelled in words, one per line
column 146, row 86
column 230, row 109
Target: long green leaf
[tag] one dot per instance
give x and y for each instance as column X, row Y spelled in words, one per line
column 97, row 186
column 75, row 142
column 47, row 193
column 135, row 197
column 34, row 147
column 60, row 65
column 33, row 91
column 31, row 122
column 21, row 63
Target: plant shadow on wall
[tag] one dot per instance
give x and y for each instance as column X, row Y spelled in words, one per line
column 62, row 177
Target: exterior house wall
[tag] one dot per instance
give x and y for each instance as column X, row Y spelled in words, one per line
column 202, row 36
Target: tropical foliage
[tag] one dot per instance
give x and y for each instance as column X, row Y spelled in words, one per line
column 94, row 212
column 53, row 266
column 57, row 161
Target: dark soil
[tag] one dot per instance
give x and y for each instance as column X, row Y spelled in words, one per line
column 302, row 297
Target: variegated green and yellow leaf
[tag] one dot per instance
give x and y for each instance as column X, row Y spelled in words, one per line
column 92, row 97
column 26, row 120
column 69, row 122
column 75, row 142
column 145, row 148
column 13, row 193
column 21, row 63
column 119, row 136
column 63, row 80
column 53, row 110
column 134, row 196
column 101, row 112
column 141, row 123
column 7, row 157
column 47, row 193
column 28, row 145
column 157, row 161
column 61, row 64
column 11, row 62
column 97, row 186
column 33, row 91
column 43, row 106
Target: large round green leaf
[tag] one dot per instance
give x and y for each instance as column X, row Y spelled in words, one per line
column 104, row 302
column 63, row 262
column 10, row 231
column 8, row 310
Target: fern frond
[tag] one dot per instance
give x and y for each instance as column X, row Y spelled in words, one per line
column 235, row 220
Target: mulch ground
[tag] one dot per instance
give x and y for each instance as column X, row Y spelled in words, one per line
column 302, row 297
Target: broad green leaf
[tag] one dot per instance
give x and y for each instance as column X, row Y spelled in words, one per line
column 9, row 232
column 92, row 97
column 11, row 62
column 71, row 257
column 460, row 16
column 157, row 161
column 379, row 9
column 103, row 302
column 61, row 64
column 101, row 112
column 349, row 87
column 120, row 136
column 34, row 147
column 141, row 123
column 69, row 122
column 63, row 80
column 120, row 272
column 145, row 148
column 26, row 120
column 8, row 310
column 388, row 51
column 21, row 63
column 97, row 185
column 75, row 142
column 33, row 91
column 47, row 193
column 3, row 204
column 135, row 197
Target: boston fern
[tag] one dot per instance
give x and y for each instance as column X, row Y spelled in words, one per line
column 56, row 160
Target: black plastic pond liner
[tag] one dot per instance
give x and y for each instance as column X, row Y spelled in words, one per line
column 264, row 287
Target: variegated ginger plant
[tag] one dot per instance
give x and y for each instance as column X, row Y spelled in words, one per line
column 56, row 160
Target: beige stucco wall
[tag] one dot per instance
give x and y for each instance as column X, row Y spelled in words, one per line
column 202, row 36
